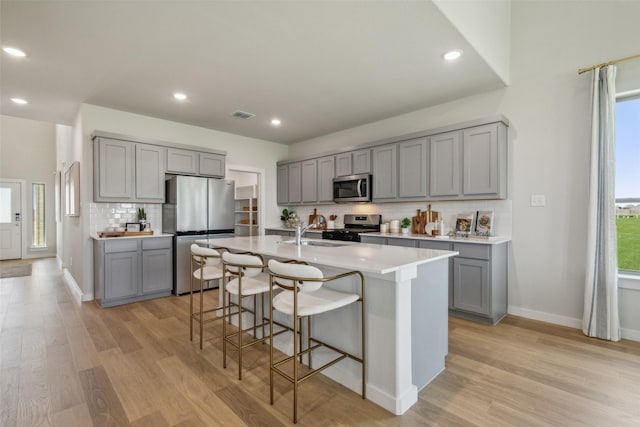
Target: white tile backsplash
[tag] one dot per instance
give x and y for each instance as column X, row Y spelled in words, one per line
column 103, row 215
column 501, row 210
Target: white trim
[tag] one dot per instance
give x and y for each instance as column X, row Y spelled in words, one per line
column 629, row 281
column 546, row 317
column 23, row 209
column 630, row 334
column 261, row 189
column 72, row 285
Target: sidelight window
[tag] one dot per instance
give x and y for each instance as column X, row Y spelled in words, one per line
column 38, row 216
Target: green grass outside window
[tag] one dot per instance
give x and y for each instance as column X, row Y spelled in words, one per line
column 628, row 243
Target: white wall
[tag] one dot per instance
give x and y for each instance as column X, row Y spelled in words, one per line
column 548, row 105
column 487, row 27
column 28, row 152
column 241, row 151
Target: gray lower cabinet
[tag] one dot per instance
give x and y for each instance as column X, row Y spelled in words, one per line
column 274, row 232
column 132, row 269
column 477, row 276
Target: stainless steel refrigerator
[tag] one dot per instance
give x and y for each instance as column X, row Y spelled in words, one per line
column 195, row 208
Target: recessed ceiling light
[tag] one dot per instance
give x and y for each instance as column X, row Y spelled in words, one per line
column 276, row 122
column 14, row 52
column 452, row 55
column 180, row 96
column 19, row 101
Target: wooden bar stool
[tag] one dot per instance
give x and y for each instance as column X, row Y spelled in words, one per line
column 205, row 266
column 304, row 296
column 243, row 277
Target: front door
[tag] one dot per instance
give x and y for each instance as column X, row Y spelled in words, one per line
column 10, row 220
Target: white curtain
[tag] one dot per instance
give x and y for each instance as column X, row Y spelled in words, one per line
column 600, row 317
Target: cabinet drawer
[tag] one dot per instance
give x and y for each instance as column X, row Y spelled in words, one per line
column 409, row 243
column 156, row 243
column 441, row 246
column 121, row 246
column 468, row 250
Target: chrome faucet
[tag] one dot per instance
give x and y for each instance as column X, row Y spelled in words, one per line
column 300, row 230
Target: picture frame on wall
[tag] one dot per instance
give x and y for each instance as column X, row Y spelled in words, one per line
column 464, row 223
column 484, row 223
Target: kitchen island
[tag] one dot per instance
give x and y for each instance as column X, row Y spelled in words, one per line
column 406, row 311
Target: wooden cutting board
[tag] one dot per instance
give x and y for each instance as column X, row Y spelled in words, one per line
column 312, row 217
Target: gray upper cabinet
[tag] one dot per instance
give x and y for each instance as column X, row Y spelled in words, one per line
column 295, row 182
column 385, row 166
column 469, row 164
column 326, row 173
column 412, row 174
column 444, row 165
column 128, row 172
column 113, row 170
column 309, row 180
column 484, row 162
column 283, row 185
column 343, row 164
column 211, row 165
column 361, row 161
column 467, row 161
column 150, row 160
column 182, row 161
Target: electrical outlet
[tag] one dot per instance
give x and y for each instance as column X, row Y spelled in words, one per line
column 538, row 200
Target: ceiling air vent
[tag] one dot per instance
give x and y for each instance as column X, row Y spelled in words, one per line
column 242, row 114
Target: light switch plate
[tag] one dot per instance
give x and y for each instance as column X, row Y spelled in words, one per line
column 538, row 200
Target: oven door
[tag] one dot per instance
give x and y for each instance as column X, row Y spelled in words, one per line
column 353, row 188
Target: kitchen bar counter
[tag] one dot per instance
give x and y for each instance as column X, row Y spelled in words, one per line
column 492, row 240
column 406, row 312
column 143, row 236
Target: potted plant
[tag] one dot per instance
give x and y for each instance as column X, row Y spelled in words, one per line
column 290, row 218
column 404, row 225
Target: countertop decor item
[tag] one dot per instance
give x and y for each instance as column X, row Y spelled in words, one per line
column 405, row 224
column 484, row 223
column 464, row 223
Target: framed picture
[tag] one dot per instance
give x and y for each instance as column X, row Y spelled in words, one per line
column 484, row 223
column 133, row 226
column 72, row 190
column 464, row 223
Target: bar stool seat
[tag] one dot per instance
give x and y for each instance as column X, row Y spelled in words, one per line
column 204, row 267
column 316, row 302
column 244, row 277
column 302, row 296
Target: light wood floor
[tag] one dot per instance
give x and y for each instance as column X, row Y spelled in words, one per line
column 69, row 364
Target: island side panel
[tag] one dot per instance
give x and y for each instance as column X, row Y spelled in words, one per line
column 430, row 325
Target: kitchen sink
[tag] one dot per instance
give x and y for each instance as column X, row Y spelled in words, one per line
column 313, row 243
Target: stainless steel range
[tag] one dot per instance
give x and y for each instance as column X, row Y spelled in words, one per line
column 354, row 225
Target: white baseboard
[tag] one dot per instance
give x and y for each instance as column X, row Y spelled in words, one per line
column 72, row 285
column 628, row 334
column 546, row 317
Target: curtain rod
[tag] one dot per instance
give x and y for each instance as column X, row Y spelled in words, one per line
column 617, row 61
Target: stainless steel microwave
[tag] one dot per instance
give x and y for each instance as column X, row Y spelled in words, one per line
column 352, row 188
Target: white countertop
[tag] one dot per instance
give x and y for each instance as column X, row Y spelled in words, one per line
column 492, row 240
column 149, row 236
column 379, row 259
column 311, row 230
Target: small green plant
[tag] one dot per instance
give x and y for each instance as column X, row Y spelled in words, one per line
column 406, row 222
column 142, row 215
column 285, row 214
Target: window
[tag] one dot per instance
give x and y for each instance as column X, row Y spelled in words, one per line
column 38, row 217
column 628, row 182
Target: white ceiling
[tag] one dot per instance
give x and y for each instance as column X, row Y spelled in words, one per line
column 318, row 66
